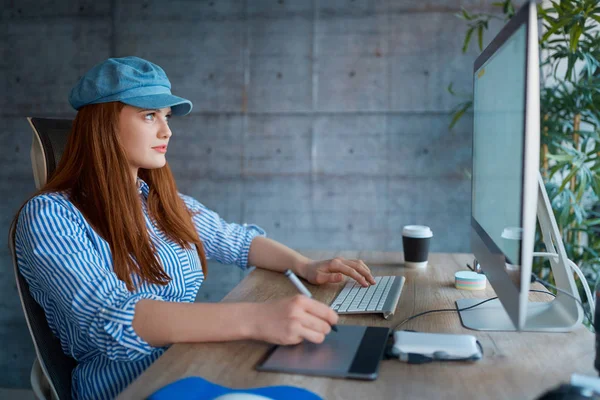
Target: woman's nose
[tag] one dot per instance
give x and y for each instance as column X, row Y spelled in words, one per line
column 165, row 132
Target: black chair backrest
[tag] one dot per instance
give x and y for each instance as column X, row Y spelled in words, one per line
column 56, row 366
column 47, row 146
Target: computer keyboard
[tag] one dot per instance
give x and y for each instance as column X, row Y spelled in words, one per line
column 379, row 298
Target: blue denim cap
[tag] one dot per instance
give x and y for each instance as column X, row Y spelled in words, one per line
column 130, row 80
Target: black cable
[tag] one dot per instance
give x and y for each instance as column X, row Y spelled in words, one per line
column 548, row 284
column 441, row 310
column 543, row 291
column 459, row 310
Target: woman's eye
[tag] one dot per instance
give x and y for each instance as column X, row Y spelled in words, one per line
column 167, row 117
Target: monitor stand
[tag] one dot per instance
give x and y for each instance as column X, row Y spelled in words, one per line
column 562, row 314
column 491, row 316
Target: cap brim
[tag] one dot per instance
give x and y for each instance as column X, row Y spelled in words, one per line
column 179, row 106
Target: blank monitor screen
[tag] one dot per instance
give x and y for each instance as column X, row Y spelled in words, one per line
column 499, row 125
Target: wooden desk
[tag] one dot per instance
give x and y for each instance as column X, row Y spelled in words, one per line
column 515, row 365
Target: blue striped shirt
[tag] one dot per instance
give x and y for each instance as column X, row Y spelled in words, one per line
column 69, row 269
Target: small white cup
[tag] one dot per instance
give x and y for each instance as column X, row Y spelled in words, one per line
column 512, row 236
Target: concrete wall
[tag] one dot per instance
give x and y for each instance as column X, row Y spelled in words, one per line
column 325, row 122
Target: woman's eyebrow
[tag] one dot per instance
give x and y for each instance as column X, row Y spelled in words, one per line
column 152, row 110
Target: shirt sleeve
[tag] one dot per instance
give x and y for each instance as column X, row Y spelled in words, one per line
column 73, row 284
column 228, row 243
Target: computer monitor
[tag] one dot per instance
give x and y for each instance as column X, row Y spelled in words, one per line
column 508, row 195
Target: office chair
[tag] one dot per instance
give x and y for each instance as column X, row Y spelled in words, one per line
column 51, row 371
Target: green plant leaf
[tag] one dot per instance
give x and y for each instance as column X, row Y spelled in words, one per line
column 510, row 10
column 591, row 64
column 570, row 65
column 467, row 39
column 554, row 169
column 596, row 185
column 593, row 222
column 575, row 34
column 581, row 187
column 554, row 28
column 458, row 114
column 556, row 5
column 464, row 15
column 560, row 157
column 567, row 179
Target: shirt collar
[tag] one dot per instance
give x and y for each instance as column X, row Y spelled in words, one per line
column 143, row 187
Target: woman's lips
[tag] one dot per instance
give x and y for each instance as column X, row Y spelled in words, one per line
column 161, row 149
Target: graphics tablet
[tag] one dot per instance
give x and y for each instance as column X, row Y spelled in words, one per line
column 353, row 352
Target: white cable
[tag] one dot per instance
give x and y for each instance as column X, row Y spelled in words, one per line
column 575, row 268
column 553, row 255
column 586, row 287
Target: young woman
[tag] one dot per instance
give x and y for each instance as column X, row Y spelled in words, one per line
column 116, row 255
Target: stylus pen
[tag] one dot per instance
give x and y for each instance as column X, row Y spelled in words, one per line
column 302, row 289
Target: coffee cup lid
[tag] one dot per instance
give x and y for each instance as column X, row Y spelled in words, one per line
column 417, row 231
column 514, row 233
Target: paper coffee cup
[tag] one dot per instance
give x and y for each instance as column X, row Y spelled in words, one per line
column 415, row 242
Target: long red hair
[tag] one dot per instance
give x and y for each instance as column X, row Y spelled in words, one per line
column 95, row 172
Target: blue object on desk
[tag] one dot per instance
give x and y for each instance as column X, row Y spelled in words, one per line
column 196, row 388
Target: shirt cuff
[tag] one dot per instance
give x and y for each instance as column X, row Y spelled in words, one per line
column 127, row 343
column 251, row 232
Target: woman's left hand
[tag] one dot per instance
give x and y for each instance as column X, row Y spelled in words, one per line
column 333, row 271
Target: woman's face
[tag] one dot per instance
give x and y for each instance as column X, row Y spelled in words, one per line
column 144, row 135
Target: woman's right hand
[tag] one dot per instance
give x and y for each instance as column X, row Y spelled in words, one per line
column 292, row 319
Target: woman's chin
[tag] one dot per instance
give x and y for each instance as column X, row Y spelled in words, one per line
column 155, row 165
